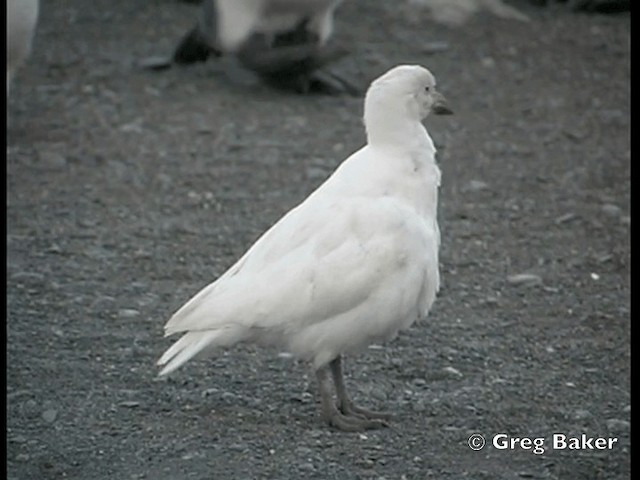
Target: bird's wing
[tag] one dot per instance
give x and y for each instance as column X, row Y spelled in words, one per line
column 316, row 263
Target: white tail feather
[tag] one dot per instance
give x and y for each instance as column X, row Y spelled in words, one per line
column 192, row 343
column 186, row 348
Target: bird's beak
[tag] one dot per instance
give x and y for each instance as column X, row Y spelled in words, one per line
column 440, row 106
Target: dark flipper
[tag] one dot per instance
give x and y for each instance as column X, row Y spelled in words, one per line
column 193, row 48
column 294, row 61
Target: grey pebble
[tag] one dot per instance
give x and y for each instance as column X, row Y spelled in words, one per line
column 618, row 425
column 209, row 391
column 434, row 47
column 476, row 186
column 22, row 275
column 582, row 414
column 418, row 406
column 50, row 415
column 528, row 279
column 128, row 313
column 567, row 217
column 307, row 467
column 228, row 396
column 378, row 394
column 610, row 209
column 53, row 160
column 452, row 371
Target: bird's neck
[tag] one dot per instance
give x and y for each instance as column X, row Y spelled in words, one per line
column 404, row 135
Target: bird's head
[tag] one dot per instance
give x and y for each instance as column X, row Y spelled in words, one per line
column 408, row 90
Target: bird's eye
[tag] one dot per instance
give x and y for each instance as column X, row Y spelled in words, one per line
column 426, row 89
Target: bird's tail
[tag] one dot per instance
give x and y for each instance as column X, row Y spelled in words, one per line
column 192, row 343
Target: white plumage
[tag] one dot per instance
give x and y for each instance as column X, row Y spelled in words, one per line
column 241, row 18
column 353, row 264
column 22, row 16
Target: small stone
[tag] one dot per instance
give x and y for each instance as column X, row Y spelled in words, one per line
column 54, row 248
column 476, row 186
column 128, row 313
column 155, row 63
column 582, row 414
column 129, row 404
column 396, row 362
column 18, row 439
column 378, row 394
column 53, row 160
column 317, row 173
column 488, row 62
column 30, row 407
column 452, row 371
column 304, row 451
column 528, row 279
column 209, row 391
column 228, row 396
column 307, row 467
column 34, row 276
column 612, row 210
column 418, row 407
column 618, row 425
column 434, row 47
column 567, row 217
column 50, row 415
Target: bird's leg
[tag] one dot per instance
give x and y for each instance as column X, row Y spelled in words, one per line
column 345, row 404
column 335, row 417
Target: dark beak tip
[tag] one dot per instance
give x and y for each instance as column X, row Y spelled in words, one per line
column 442, row 110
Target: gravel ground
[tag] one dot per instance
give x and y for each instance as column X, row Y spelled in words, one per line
column 129, row 190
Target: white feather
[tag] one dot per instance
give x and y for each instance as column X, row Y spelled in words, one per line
column 353, row 264
column 22, row 16
column 238, row 19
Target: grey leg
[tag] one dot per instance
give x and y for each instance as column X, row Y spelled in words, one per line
column 332, row 415
column 345, row 404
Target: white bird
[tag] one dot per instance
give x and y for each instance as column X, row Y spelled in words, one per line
column 283, row 41
column 228, row 24
column 351, row 265
column 22, row 16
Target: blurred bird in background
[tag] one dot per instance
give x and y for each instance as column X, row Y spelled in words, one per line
column 22, row 16
column 352, row 265
column 592, row 6
column 285, row 42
